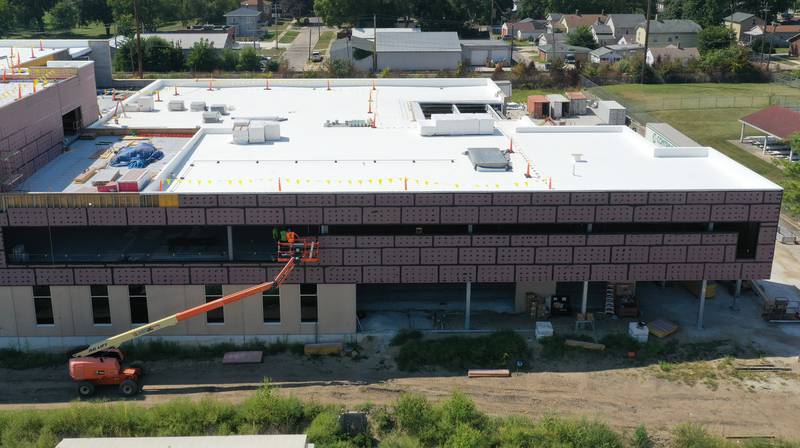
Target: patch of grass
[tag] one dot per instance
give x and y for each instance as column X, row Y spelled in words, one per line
column 521, row 95
column 405, row 335
column 15, row 359
column 325, row 39
column 454, row 353
column 289, row 37
column 159, row 349
column 641, row 439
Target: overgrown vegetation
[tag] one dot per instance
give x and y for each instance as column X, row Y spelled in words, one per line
column 497, row 350
column 149, row 350
column 412, row 421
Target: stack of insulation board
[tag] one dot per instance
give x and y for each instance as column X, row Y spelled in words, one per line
column 134, row 180
column 255, row 131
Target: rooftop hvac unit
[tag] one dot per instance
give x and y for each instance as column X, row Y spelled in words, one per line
column 221, row 108
column 241, row 135
column 211, row 117
column 176, row 106
column 146, row 103
column 488, row 159
column 458, row 124
column 256, row 132
column 197, row 106
column 272, row 131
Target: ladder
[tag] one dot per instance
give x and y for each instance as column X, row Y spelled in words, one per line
column 610, row 305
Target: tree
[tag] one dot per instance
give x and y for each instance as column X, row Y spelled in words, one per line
column 249, row 61
column 791, row 185
column 203, row 57
column 63, row 16
column 582, row 37
column 125, row 26
column 158, row 55
column 7, row 15
column 715, row 38
column 96, row 11
column 31, row 12
column 230, row 58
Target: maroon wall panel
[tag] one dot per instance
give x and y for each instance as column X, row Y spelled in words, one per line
column 644, row 239
column 682, row 239
column 684, row 271
column 592, row 254
column 314, row 274
column 756, row 271
column 516, row 255
column 765, row 252
column 691, row 213
column 477, row 255
column 459, row 215
column 66, row 216
column 246, row 275
column 765, row 212
column 566, row 240
column 328, row 241
column 666, row 197
column 628, row 198
column 401, row 255
column 330, row 256
column 706, row 254
column 418, row 274
column 264, row 216
column 148, row 216
column 361, row 257
column 132, row 276
column 705, row 197
column 529, row 240
column 652, row 213
column 395, row 200
column 720, row 238
column 534, row 273
column 186, row 216
column 571, row 273
column 605, row 240
column 27, row 217
column 375, row 241
column 107, row 217
column 511, row 198
column 472, row 199
column 304, row 215
column 728, row 213
column 93, row 276
column 439, row 255
column 54, row 277
column 490, row 240
column 277, row 200
column 644, row 272
column 342, row 215
column 208, row 275
column 589, row 198
column 609, row 272
column 630, row 254
column 426, row 199
column 537, row 215
column 381, row 274
column 420, row 215
column 767, row 234
column 720, row 271
column 550, row 198
column 614, row 213
column 10, row 277
column 576, row 213
column 343, row 274
column 170, row 276
column 668, row 254
column 316, row 200
column 773, row 197
column 225, row 216
column 554, row 255
column 451, row 240
column 298, row 275
column 744, row 197
column 498, row 215
column 237, row 200
column 381, row 215
column 355, row 200
column 496, row 274
column 456, row 274
column 413, row 241
column 197, row 200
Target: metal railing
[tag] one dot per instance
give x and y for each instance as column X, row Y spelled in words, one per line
column 85, row 200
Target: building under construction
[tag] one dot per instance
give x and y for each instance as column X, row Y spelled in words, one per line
column 420, row 192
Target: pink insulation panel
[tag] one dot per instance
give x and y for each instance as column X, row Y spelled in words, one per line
column 456, row 274
column 498, row 215
column 381, row 215
column 496, row 274
column 93, row 276
column 132, row 276
column 537, row 214
column 268, row 216
column 419, row 274
column 186, row 216
column 170, row 276
column 381, row 274
column 459, row 215
column 533, row 273
column 225, row 216
column 147, row 216
column 107, row 217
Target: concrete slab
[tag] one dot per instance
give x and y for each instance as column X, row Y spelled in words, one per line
column 248, row 357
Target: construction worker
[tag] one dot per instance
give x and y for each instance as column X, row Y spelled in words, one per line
column 276, row 234
column 291, row 237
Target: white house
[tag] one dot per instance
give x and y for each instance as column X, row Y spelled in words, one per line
column 244, row 21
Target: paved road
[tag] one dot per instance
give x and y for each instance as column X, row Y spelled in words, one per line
column 297, row 53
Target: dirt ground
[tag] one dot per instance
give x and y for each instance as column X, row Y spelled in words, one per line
column 607, row 390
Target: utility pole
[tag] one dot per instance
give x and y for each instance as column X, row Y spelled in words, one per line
column 646, row 39
column 139, row 68
column 275, row 20
column 769, row 54
column 764, row 34
column 374, row 43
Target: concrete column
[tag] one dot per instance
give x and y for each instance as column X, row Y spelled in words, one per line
column 738, row 290
column 702, row 304
column 230, row 243
column 467, row 306
column 741, row 135
column 584, row 298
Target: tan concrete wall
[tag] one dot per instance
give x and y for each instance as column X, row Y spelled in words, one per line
column 72, row 309
column 543, row 289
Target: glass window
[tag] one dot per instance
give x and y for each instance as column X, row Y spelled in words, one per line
column 217, row 316
column 308, row 303
column 271, row 303
column 43, row 305
column 101, row 310
column 137, row 295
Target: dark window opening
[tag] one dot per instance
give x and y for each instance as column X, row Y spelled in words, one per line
column 43, row 305
column 217, row 316
column 423, row 229
column 137, row 295
column 308, row 303
column 657, row 227
column 72, row 121
column 271, row 304
column 429, row 109
column 101, row 308
column 257, row 243
column 528, row 229
column 747, row 243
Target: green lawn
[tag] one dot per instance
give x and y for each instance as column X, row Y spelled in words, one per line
column 92, row 31
column 325, row 40
column 289, row 36
column 521, row 95
column 708, row 113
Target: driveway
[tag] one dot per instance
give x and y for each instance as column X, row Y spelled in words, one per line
column 297, row 53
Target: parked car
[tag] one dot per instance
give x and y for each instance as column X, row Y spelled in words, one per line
column 316, row 57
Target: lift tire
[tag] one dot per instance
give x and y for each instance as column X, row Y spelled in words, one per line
column 128, row 388
column 85, row 388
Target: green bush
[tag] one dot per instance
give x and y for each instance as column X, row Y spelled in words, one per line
column 324, row 429
column 400, row 441
column 641, row 439
column 229, row 60
column 158, row 55
column 496, row 350
column 460, row 410
column 690, row 435
column 465, row 436
column 516, row 432
column 415, row 415
column 249, row 61
column 265, row 410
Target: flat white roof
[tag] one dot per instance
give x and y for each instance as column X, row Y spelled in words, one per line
column 393, row 156
column 261, row 441
column 10, row 55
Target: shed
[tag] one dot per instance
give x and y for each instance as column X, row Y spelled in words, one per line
column 559, row 105
column 538, row 106
column 611, row 112
column 774, row 121
column 578, row 102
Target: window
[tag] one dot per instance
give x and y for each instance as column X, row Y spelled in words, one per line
column 137, row 295
column 217, row 316
column 308, row 303
column 271, row 303
column 101, row 310
column 43, row 305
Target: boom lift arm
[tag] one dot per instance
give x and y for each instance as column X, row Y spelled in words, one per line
column 305, row 250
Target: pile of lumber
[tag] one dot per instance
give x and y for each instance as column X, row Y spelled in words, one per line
column 584, row 345
column 488, row 373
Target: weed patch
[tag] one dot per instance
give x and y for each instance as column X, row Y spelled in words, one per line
column 497, row 350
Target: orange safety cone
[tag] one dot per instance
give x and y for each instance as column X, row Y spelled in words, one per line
column 405, row 183
column 528, row 172
column 329, row 84
column 158, row 96
column 267, row 84
column 550, row 183
column 4, row 76
column 19, row 91
column 41, row 45
column 176, row 92
column 511, row 146
column 210, row 85
column 279, row 184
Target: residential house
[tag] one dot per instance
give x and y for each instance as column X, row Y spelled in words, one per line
column 527, row 29
column 657, row 55
column 401, row 51
column 549, row 38
column 794, row 45
column 554, row 22
column 680, row 32
column 483, row 52
column 262, row 6
column 571, row 22
column 779, row 35
column 245, row 22
column 739, row 22
column 563, row 52
column 602, row 34
column 614, row 53
column 624, row 25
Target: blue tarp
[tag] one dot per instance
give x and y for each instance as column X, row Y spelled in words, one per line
column 137, row 156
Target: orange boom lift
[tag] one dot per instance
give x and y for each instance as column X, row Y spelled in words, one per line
column 100, row 364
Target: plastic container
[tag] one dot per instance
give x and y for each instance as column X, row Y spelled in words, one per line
column 544, row 329
column 638, row 332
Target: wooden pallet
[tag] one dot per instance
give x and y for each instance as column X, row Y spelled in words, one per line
column 488, row 373
column 662, row 328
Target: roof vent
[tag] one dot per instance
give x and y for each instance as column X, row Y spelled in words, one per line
column 488, row 159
